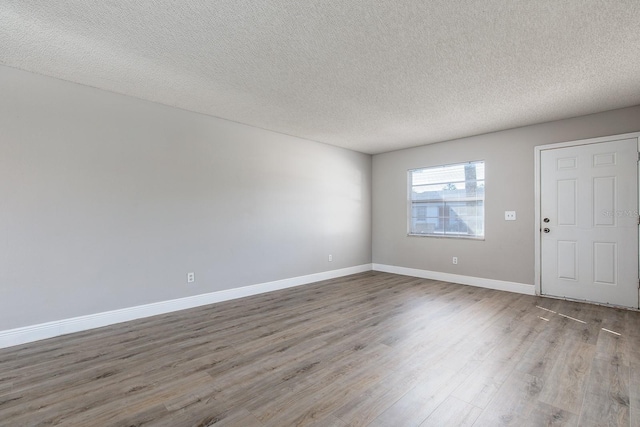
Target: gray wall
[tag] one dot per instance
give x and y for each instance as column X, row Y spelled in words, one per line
column 108, row 201
column 507, row 253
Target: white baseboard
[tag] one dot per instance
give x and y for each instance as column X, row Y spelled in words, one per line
column 499, row 285
column 56, row 328
column 13, row 337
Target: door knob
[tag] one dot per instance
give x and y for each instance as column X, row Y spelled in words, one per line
column 546, row 220
column 546, row 230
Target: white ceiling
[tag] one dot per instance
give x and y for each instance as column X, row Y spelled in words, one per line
column 372, row 76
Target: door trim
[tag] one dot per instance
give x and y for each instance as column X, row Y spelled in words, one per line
column 537, row 193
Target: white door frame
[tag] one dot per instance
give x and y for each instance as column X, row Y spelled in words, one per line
column 538, row 175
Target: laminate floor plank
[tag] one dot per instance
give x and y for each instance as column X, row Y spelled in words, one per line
column 453, row 412
column 318, row 402
column 606, row 400
column 415, row 406
column 95, row 386
column 634, row 395
column 371, row 349
column 345, row 370
column 360, row 410
column 566, row 385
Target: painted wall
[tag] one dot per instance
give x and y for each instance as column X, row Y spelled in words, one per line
column 507, row 253
column 108, row 201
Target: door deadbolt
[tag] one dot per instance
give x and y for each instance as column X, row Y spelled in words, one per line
column 546, row 220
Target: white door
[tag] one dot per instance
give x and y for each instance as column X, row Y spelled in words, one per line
column 589, row 222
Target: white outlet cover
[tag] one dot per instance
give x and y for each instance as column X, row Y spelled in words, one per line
column 509, row 215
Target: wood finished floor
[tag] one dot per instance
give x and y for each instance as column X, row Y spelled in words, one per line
column 372, row 349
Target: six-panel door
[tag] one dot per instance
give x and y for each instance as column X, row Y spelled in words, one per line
column 589, row 211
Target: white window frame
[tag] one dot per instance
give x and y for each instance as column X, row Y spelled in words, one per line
column 442, row 203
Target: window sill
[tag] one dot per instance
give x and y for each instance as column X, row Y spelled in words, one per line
column 447, row 236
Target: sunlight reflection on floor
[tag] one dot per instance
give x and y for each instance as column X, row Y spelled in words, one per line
column 573, row 318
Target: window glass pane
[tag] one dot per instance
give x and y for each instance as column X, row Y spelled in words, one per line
column 447, row 200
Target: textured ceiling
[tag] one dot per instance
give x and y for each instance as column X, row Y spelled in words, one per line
column 371, row 76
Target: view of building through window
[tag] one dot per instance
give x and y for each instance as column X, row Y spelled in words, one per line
column 447, row 200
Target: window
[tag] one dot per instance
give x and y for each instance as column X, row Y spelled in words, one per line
column 447, row 201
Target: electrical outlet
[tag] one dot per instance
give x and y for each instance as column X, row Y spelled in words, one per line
column 191, row 277
column 330, row 257
column 509, row 215
column 455, row 260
